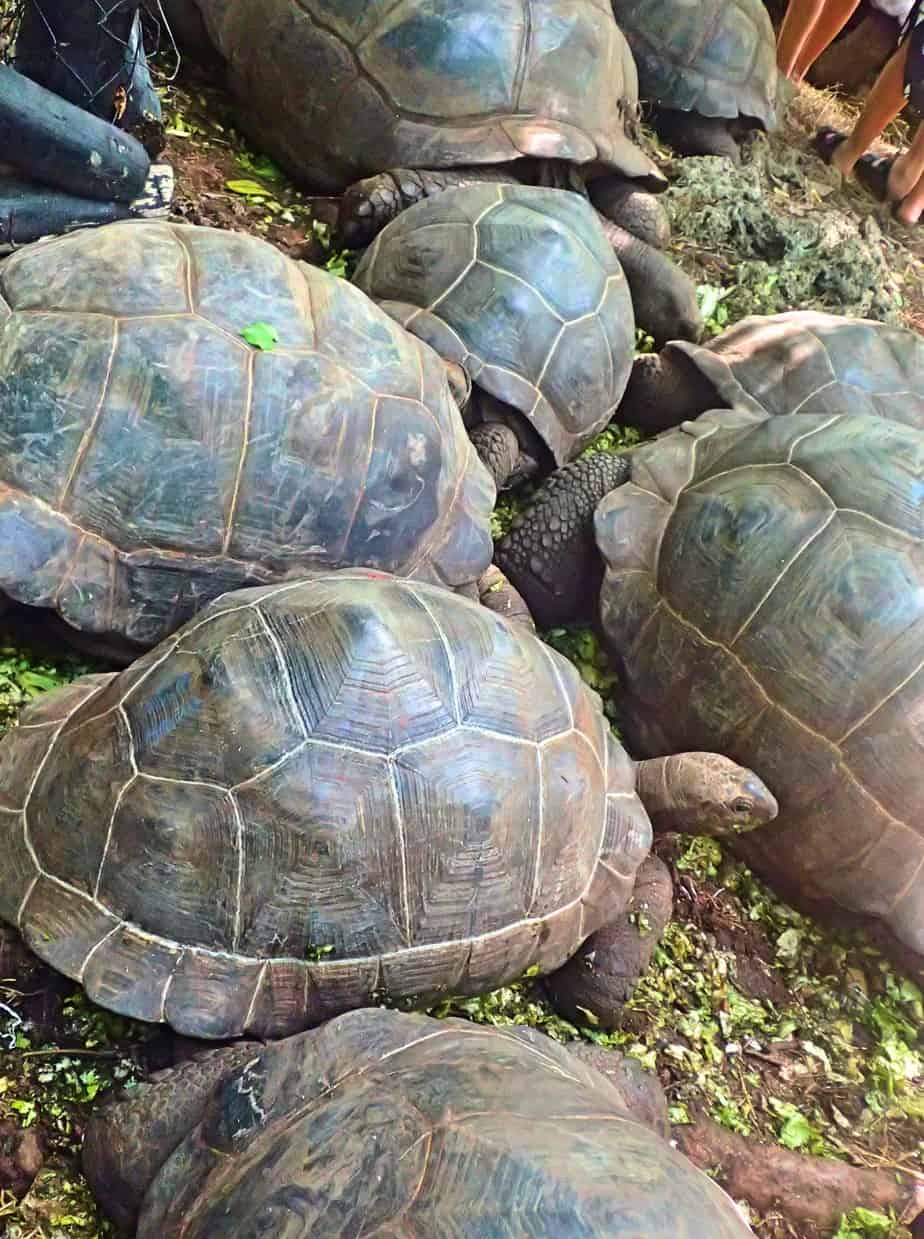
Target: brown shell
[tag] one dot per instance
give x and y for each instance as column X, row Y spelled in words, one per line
column 520, row 287
column 810, row 362
column 313, row 796
column 339, row 91
column 388, row 1124
column 151, row 459
column 764, row 591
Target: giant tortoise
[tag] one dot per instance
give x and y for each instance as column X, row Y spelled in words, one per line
column 383, row 1123
column 423, row 95
column 708, row 69
column 519, row 287
column 764, row 596
column 800, row 362
column 151, row 459
column 322, row 794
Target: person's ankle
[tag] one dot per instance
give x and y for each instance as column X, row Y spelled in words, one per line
column 843, row 159
column 900, row 182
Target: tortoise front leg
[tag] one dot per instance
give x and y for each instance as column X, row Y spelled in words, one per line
column 601, row 976
column 550, row 553
column 368, row 205
column 637, row 211
column 663, row 296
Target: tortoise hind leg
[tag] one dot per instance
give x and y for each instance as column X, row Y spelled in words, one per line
column 367, row 206
column 601, row 976
column 691, row 134
column 550, row 553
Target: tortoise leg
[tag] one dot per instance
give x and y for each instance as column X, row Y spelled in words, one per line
column 638, row 212
column 691, row 134
column 502, row 455
column 367, row 206
column 664, row 390
column 497, row 594
column 128, row 1140
column 663, row 296
column 600, row 978
column 550, row 553
column 640, row 1090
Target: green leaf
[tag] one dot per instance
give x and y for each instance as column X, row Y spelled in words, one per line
column 865, row 1224
column 796, row 1132
column 261, row 336
column 248, row 189
column 260, row 165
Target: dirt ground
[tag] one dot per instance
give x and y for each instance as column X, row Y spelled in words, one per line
column 751, row 1014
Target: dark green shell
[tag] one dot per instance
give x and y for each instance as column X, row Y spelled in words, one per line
column 520, row 286
column 400, row 1125
column 313, row 796
column 339, row 90
column 764, row 592
column 151, row 459
column 715, row 57
column 806, row 362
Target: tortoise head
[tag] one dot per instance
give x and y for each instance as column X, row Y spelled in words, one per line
column 704, row 794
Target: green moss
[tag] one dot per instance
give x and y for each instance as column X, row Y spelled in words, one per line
column 778, row 257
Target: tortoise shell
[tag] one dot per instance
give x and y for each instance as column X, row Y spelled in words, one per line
column 716, row 57
column 408, row 1126
column 807, row 362
column 312, row 796
column 764, row 591
column 151, row 459
column 520, row 286
column 337, row 91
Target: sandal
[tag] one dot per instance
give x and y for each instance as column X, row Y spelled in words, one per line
column 826, row 142
column 872, row 172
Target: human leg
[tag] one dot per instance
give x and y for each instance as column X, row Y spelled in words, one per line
column 801, row 16
column 911, row 175
column 827, row 26
column 885, row 101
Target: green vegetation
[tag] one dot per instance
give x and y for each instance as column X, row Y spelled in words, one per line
column 25, row 674
column 773, row 253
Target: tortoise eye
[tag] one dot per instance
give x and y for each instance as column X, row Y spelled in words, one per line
column 741, row 805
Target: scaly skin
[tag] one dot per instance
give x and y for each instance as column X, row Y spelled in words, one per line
column 665, row 390
column 640, row 213
column 691, row 134
column 369, row 205
column 501, row 454
column 601, row 976
column 128, row 1140
column 497, row 594
column 549, row 553
column 663, row 296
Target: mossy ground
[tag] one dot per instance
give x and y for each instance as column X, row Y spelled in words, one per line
column 749, row 1012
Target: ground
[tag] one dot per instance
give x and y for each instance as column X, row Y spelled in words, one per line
column 749, row 1013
